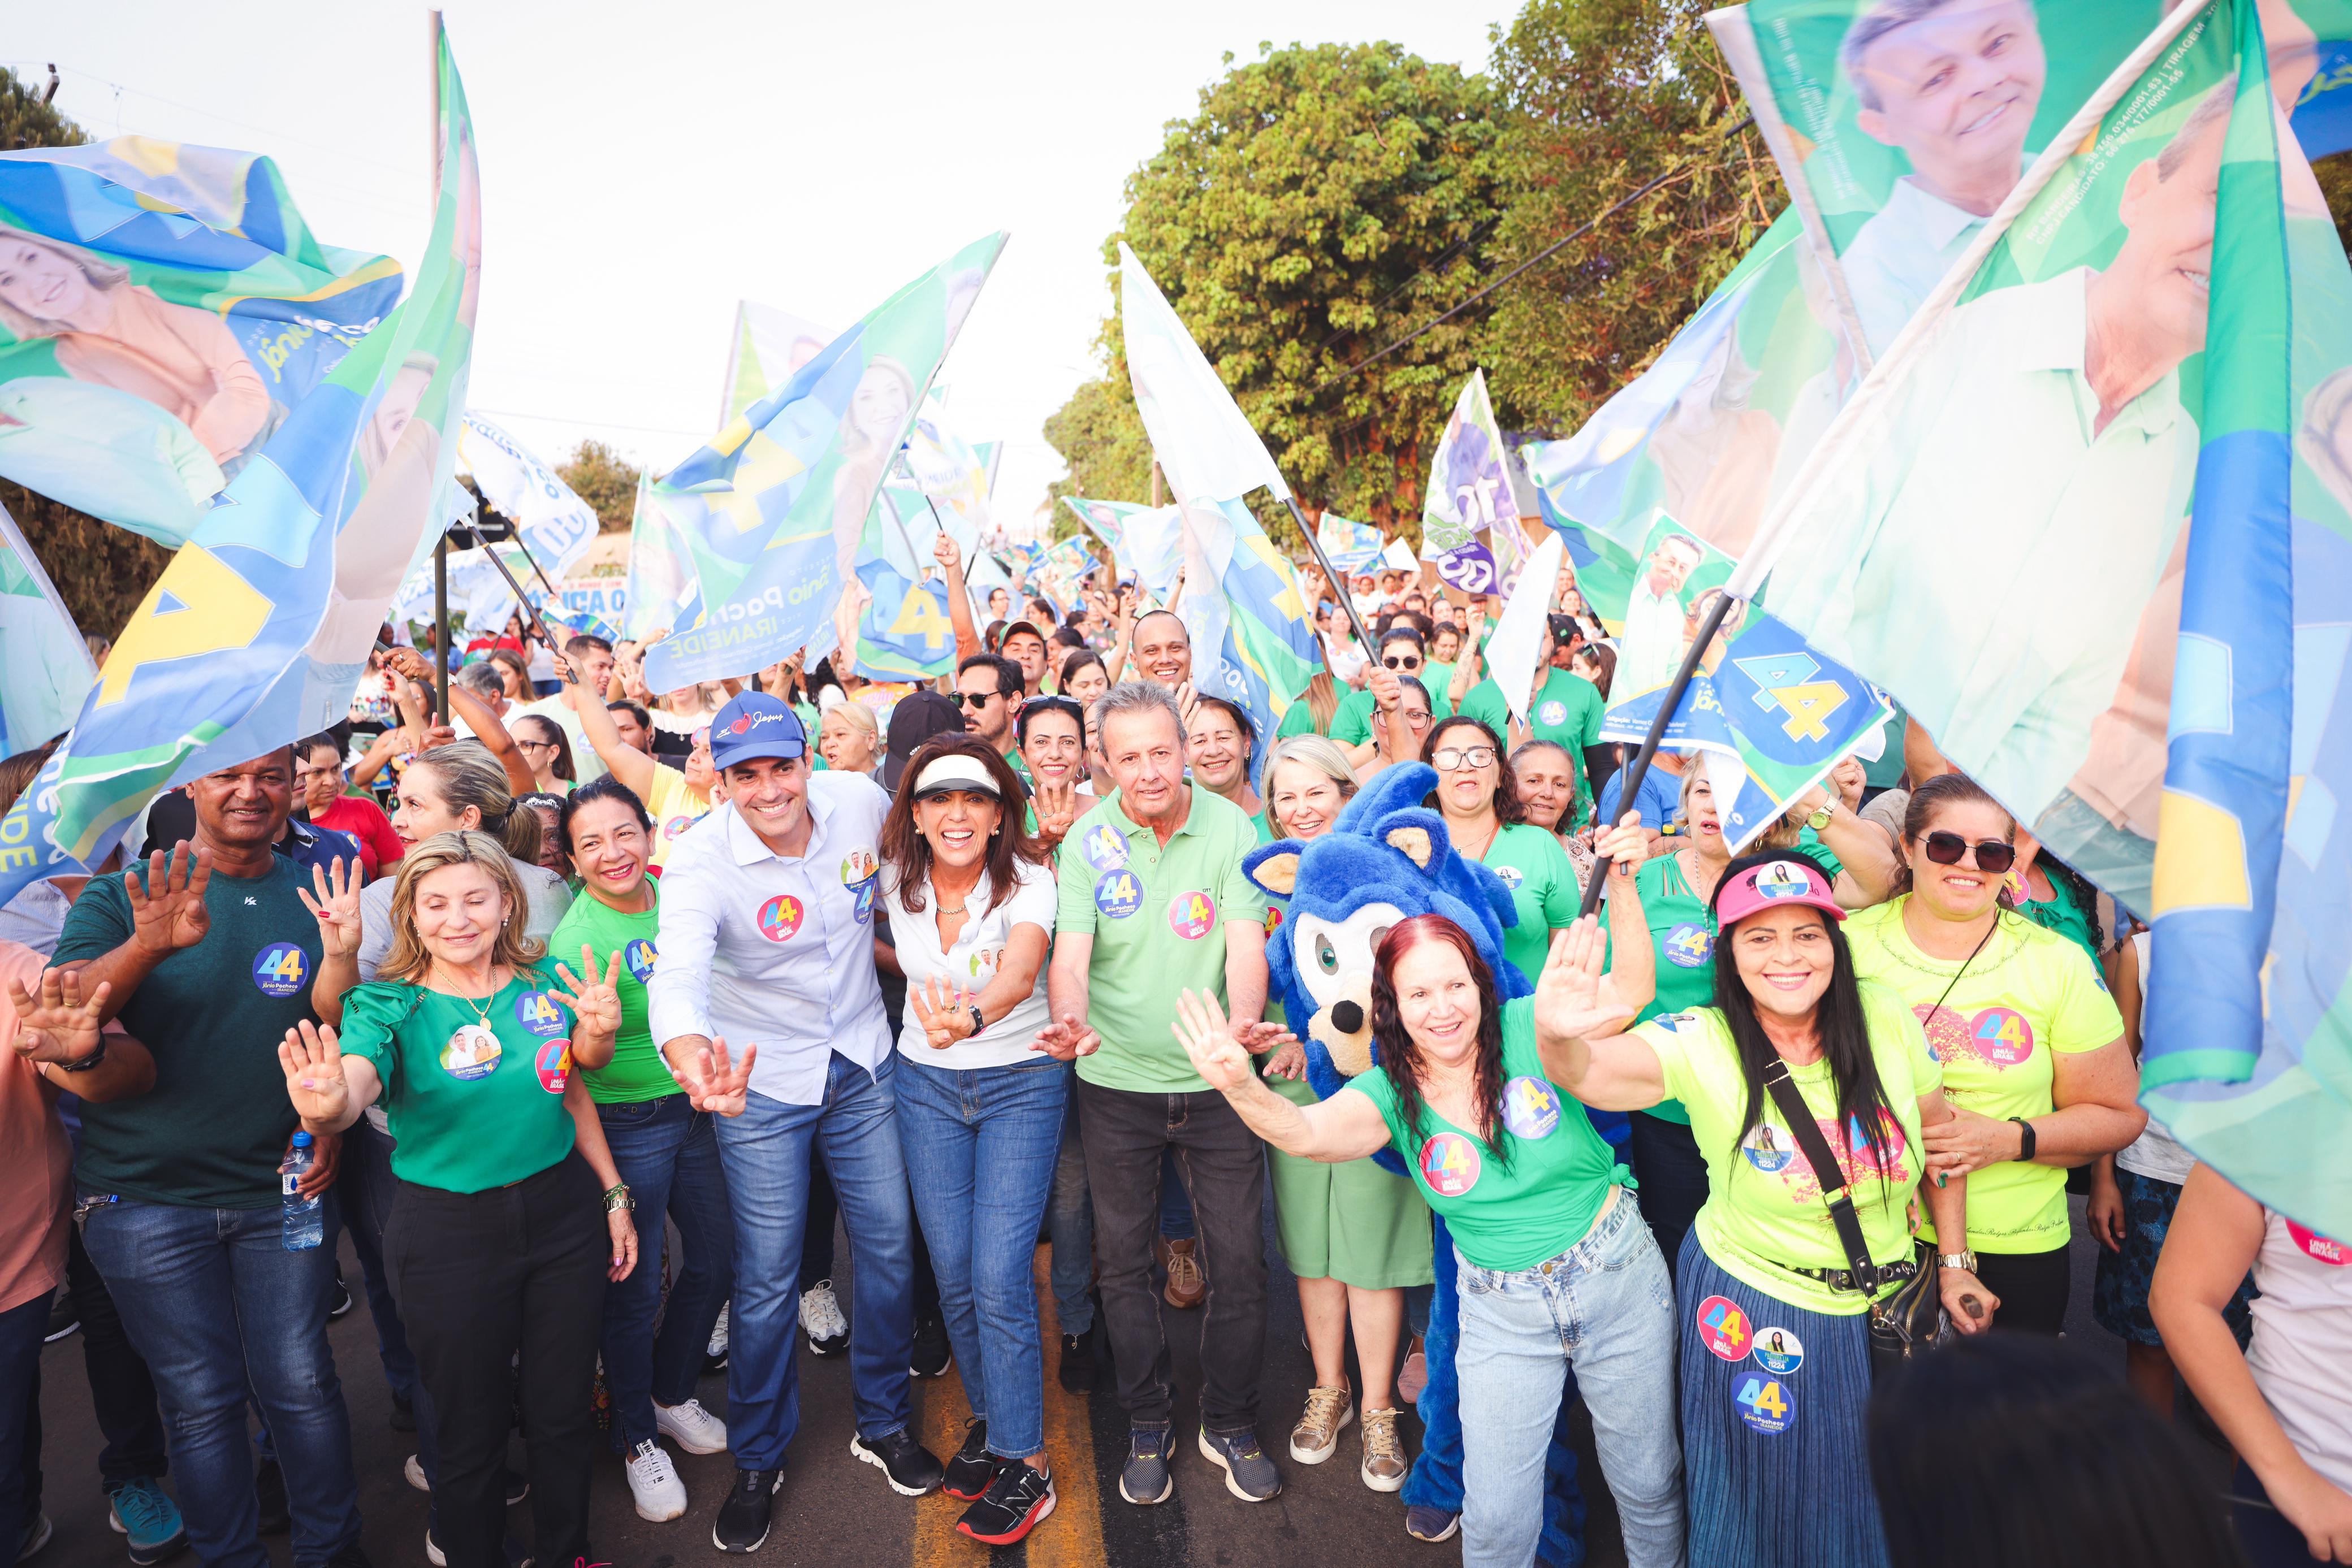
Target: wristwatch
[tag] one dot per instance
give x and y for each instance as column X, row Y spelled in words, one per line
column 978, row 1023
column 1957, row 1261
column 1821, row 819
column 2025, row 1143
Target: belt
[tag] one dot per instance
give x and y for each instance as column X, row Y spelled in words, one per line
column 1843, row 1278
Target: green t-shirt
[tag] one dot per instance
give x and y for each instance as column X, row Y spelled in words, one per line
column 2028, row 993
column 1298, row 719
column 1439, row 679
column 1764, row 1216
column 1543, row 887
column 1887, row 771
column 468, row 1112
column 1566, row 712
column 2062, row 912
column 1156, row 916
column 1536, row 1201
column 637, row 1071
column 1353, row 722
column 1682, row 939
column 212, row 1132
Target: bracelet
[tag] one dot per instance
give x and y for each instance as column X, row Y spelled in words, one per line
column 618, row 1197
column 87, row 1062
column 2026, row 1142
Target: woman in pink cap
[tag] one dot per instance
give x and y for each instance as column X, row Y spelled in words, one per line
column 1775, row 1313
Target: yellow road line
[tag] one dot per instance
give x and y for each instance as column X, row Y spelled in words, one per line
column 938, row 1544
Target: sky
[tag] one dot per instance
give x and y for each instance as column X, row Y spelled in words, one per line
column 645, row 166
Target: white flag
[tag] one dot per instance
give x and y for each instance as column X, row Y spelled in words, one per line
column 1198, row 432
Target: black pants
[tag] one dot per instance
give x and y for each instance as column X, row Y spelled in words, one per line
column 1673, row 1177
column 1224, row 1165
column 2032, row 1287
column 481, row 1278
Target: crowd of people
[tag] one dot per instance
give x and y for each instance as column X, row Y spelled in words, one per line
column 965, row 965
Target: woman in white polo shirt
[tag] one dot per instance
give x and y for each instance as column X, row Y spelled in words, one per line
column 971, row 903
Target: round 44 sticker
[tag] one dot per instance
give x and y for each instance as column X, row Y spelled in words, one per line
column 1723, row 1329
column 1193, row 915
column 1118, row 894
column 780, row 918
column 537, row 1011
column 280, row 968
column 1764, row 1402
column 639, row 957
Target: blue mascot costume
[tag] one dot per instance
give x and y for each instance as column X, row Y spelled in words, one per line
column 1387, row 859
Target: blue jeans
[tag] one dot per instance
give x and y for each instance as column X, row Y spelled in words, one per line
column 1605, row 1306
column 668, row 1155
column 981, row 1147
column 1070, row 1222
column 218, row 1307
column 21, row 1328
column 766, row 1153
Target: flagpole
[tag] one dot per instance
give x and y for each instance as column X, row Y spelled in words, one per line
column 1346, row 602
column 1638, row 769
column 520, row 598
column 441, row 546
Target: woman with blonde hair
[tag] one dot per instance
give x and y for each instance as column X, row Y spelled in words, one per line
column 497, row 1249
column 849, row 737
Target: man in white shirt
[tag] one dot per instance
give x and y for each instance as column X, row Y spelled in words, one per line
column 593, row 663
column 767, row 941
column 1651, row 647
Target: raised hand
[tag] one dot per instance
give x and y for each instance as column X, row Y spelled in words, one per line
column 1056, row 805
column 712, row 1082
column 336, row 904
column 408, row 662
column 1201, row 1028
column 167, row 911
column 1388, row 690
column 1188, row 702
column 1066, row 1039
column 594, row 1001
column 944, row 1011
column 1627, row 844
column 313, row 1063
column 944, row 551
column 53, row 1022
column 1851, row 778
column 1573, row 998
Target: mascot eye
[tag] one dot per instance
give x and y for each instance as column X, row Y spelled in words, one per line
column 1326, row 955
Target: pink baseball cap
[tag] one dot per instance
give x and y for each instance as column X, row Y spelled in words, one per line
column 1790, row 879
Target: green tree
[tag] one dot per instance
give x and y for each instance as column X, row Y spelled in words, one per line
column 606, row 480
column 1597, row 99
column 28, row 120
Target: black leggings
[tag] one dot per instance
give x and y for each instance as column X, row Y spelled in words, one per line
column 1672, row 1175
column 2032, row 1287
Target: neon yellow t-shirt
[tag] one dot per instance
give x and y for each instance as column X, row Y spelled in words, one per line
column 1764, row 1216
column 674, row 809
column 2031, row 992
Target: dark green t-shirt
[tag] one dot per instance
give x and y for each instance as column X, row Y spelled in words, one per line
column 636, row 1071
column 1507, row 1213
column 467, row 1113
column 212, row 1132
column 1682, row 937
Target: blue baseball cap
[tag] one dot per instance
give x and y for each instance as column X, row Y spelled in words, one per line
column 755, row 725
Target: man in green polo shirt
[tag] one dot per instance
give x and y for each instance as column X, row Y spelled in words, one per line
column 1153, row 901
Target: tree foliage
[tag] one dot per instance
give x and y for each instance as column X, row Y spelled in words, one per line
column 26, row 122
column 606, row 480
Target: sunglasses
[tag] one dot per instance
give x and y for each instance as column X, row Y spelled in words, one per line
column 1408, row 662
column 973, row 699
column 1992, row 855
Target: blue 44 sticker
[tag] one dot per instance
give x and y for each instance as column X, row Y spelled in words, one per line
column 280, row 968
column 537, row 1011
column 1118, row 894
column 1765, row 1402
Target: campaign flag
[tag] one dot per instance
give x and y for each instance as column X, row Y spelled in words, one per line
column 1350, row 547
column 763, row 351
column 1514, row 649
column 554, row 524
column 1146, row 541
column 1061, row 571
column 44, row 666
column 164, row 310
column 1203, row 442
column 948, row 471
column 661, row 574
column 905, row 632
column 1469, row 494
column 257, row 630
column 773, row 508
column 1106, row 520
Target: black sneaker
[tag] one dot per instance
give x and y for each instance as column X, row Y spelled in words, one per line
column 1021, row 1495
column 743, row 1518
column 912, row 1470
column 269, row 1492
column 1077, row 1371
column 932, row 1355
column 63, row 1319
column 972, row 1469
column 1249, row 1474
column 1144, row 1478
column 404, row 1414
column 343, row 1299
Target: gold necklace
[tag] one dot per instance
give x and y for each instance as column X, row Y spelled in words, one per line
column 480, row 1011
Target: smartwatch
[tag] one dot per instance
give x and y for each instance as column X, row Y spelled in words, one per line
column 978, row 1023
column 2025, row 1148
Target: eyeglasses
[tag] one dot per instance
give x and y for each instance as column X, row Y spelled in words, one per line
column 1454, row 758
column 1992, row 855
column 972, row 699
column 1408, row 662
column 535, row 745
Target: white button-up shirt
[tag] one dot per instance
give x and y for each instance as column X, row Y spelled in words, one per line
column 764, row 949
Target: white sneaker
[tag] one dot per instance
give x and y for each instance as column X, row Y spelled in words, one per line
column 691, row 1427
column 821, row 1320
column 717, row 1345
column 654, row 1483
column 416, row 1474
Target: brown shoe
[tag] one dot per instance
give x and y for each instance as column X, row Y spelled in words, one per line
column 1187, row 1285
column 1413, row 1376
column 1317, row 1436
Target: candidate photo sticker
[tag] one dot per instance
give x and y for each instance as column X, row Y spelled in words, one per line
column 280, row 969
column 472, row 1052
column 1778, row 1351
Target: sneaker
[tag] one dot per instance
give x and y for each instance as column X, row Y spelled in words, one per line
column 270, row 1493
column 1249, row 1474
column 416, row 1474
column 343, row 1299
column 404, row 1414
column 742, row 1522
column 63, row 1319
column 1021, row 1495
column 1187, row 1285
column 38, row 1531
column 931, row 1355
column 1384, row 1466
column 517, row 1484
column 714, row 1354
column 691, row 1427
column 973, row 1467
column 660, row 1496
column 911, row 1469
column 1145, row 1478
column 821, row 1320
column 1316, row 1437
column 1077, row 1371
column 145, row 1516
column 1414, row 1376
column 1431, row 1523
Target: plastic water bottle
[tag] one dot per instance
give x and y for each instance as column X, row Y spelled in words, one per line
column 305, row 1226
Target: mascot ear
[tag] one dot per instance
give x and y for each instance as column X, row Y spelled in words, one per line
column 1418, row 834
column 1413, row 840
column 1274, row 868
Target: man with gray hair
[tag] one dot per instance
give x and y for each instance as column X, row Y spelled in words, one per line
column 1153, row 901
column 1650, row 650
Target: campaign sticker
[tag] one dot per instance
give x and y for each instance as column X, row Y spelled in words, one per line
column 1273, row 918
column 1689, row 944
column 538, row 1013
column 857, row 866
column 1765, row 1149
column 1104, row 846
column 1782, row 880
column 1780, row 1352
column 2001, row 1035
column 1530, row 1108
column 1449, row 1163
column 1723, row 1328
column 1118, row 894
column 677, row 825
column 1765, row 1403
column 554, row 1065
column 1553, row 713
column 780, row 918
column 985, row 962
column 472, row 1052
column 1512, row 876
column 280, row 968
column 1193, row 915
column 639, row 957
column 2333, row 1253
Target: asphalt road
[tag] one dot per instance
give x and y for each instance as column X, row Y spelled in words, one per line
column 834, row 1510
